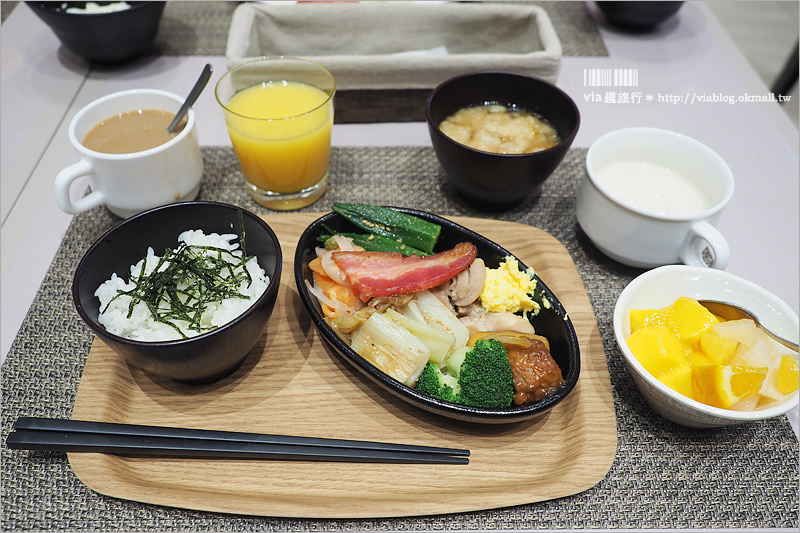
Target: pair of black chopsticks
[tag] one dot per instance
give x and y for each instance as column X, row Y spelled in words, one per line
column 47, row 434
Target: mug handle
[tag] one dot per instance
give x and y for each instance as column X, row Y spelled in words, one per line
column 63, row 182
column 692, row 251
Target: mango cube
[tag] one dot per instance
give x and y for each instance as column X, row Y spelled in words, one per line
column 641, row 318
column 718, row 349
column 658, row 349
column 698, row 358
column 788, row 375
column 693, row 320
column 678, row 378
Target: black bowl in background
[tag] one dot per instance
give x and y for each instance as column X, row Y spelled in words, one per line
column 103, row 37
column 552, row 322
column 497, row 181
column 207, row 357
column 638, row 15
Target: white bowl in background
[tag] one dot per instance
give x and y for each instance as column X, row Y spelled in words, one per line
column 659, row 288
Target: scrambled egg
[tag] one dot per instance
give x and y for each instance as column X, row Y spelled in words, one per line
column 508, row 289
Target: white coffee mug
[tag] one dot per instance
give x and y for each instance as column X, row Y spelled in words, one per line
column 652, row 197
column 130, row 183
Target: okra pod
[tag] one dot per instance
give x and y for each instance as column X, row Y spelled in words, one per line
column 374, row 243
column 400, row 227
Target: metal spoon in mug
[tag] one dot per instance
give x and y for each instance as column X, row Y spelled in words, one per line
column 730, row 311
column 196, row 90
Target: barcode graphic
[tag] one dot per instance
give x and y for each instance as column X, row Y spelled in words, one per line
column 610, row 77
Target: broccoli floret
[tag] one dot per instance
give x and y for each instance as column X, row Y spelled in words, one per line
column 456, row 359
column 485, row 376
column 437, row 384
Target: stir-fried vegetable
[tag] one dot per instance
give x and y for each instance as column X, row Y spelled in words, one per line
column 426, row 307
column 403, row 228
column 439, row 342
column 392, row 348
column 371, row 242
column 479, row 376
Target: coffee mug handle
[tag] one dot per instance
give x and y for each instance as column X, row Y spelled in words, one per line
column 700, row 233
column 64, row 181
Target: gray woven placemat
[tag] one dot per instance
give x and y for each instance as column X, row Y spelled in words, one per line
column 664, row 476
column 5, row 9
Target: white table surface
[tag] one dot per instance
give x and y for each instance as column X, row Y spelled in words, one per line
column 42, row 86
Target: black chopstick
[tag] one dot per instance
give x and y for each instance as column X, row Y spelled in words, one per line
column 81, row 426
column 127, row 439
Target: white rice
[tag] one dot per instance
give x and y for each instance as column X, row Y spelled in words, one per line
column 95, row 8
column 142, row 326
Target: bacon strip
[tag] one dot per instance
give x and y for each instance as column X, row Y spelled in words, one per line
column 388, row 273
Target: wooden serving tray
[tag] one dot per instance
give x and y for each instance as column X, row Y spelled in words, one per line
column 292, row 384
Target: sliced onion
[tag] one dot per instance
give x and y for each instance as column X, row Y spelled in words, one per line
column 332, row 269
column 347, row 324
column 345, row 243
column 337, row 306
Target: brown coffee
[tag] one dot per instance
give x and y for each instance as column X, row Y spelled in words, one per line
column 131, row 131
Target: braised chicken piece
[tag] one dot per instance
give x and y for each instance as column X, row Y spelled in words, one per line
column 479, row 320
column 465, row 288
column 535, row 371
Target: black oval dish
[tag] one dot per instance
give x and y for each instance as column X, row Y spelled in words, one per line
column 207, row 357
column 552, row 322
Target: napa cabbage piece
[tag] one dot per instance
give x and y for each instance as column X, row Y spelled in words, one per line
column 391, row 348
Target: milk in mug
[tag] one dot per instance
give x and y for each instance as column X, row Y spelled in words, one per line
column 653, row 188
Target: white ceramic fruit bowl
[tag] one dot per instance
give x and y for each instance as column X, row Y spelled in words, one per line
column 659, row 288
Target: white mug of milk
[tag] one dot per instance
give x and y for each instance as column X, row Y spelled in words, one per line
column 652, row 197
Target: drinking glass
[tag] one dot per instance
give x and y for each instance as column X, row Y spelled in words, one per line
column 279, row 114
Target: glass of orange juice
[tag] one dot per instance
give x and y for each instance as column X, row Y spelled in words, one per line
column 279, row 114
